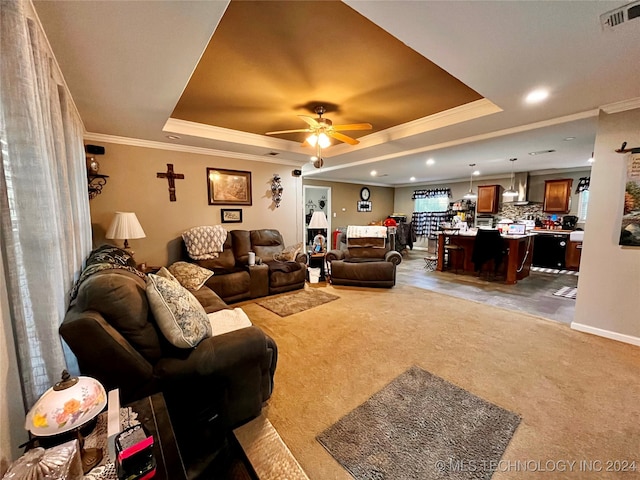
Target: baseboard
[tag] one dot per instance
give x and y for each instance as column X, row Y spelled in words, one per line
column 620, row 337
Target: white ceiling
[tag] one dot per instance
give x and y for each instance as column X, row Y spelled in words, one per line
column 127, row 63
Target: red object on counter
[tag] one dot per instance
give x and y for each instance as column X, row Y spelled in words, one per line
column 390, row 222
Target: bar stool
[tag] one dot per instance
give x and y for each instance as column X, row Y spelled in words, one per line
column 451, row 253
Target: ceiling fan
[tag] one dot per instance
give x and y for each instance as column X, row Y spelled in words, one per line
column 322, row 128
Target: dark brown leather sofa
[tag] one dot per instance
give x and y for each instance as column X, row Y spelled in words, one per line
column 220, row 383
column 363, row 262
column 235, row 280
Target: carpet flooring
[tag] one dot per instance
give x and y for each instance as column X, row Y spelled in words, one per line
column 421, row 427
column 289, row 303
column 577, row 394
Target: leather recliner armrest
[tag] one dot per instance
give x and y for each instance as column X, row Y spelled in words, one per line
column 219, row 355
column 334, row 255
column 103, row 353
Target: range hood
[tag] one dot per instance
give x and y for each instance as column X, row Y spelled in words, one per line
column 520, row 185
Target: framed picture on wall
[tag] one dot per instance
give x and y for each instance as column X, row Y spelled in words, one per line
column 231, row 215
column 228, row 187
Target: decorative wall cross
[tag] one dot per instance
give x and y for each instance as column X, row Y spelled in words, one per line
column 171, row 177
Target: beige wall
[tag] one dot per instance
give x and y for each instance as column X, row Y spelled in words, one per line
column 12, row 414
column 133, row 186
column 608, row 302
column 344, row 199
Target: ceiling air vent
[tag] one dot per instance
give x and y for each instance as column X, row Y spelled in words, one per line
column 620, row 15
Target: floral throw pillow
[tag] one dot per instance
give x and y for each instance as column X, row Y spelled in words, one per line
column 289, row 254
column 190, row 275
column 180, row 317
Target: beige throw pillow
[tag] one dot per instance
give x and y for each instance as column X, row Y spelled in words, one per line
column 190, row 275
column 180, row 317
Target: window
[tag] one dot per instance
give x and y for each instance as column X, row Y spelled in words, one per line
column 583, row 203
column 438, row 203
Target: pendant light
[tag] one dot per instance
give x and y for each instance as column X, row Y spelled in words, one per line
column 471, row 194
column 511, row 191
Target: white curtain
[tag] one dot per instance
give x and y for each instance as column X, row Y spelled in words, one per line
column 44, row 207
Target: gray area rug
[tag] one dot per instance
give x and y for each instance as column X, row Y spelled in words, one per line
column 421, row 427
column 290, row 303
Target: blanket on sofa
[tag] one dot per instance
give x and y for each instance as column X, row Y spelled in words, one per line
column 106, row 257
column 205, row 242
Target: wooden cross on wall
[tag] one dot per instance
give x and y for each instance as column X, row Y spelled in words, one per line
column 171, row 177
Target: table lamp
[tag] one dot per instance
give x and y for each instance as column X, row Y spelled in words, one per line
column 125, row 226
column 319, row 222
column 68, row 405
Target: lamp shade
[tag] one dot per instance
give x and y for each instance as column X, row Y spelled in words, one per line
column 125, row 226
column 318, row 220
column 69, row 404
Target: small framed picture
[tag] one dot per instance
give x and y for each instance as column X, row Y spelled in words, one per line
column 231, row 215
column 364, row 206
column 228, row 187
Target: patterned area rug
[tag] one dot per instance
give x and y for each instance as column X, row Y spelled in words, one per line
column 567, row 292
column 288, row 304
column 555, row 271
column 421, row 426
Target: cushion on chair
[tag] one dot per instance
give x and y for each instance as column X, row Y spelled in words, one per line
column 190, row 275
column 267, row 243
column 180, row 317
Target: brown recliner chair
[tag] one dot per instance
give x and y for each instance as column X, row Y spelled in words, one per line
column 221, row 383
column 363, row 262
column 283, row 275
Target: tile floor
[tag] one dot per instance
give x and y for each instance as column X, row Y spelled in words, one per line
column 533, row 294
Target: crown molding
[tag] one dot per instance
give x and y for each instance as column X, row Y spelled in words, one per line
column 136, row 142
column 201, row 130
column 623, row 106
column 453, row 116
column 462, row 141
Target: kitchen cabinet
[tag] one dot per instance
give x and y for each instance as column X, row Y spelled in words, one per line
column 557, row 195
column 574, row 252
column 488, row 199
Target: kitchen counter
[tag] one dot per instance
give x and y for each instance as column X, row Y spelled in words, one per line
column 551, row 232
column 517, row 262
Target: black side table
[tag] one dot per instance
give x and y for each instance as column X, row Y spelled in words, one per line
column 316, row 260
column 153, row 415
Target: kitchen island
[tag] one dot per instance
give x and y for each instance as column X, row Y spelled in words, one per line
column 517, row 263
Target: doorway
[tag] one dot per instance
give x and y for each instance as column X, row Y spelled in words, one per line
column 316, row 199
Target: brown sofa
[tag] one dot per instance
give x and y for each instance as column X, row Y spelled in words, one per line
column 220, row 383
column 235, row 280
column 363, row 262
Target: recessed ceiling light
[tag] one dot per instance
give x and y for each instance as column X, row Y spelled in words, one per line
column 173, row 137
column 413, row 179
column 373, row 173
column 591, row 159
column 537, row 95
column 568, row 139
column 431, row 161
column 476, row 172
column 541, row 152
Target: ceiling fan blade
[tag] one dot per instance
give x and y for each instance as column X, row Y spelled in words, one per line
column 343, row 138
column 289, row 131
column 353, row 126
column 310, row 120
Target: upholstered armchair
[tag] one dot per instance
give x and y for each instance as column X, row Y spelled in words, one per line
column 366, row 259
